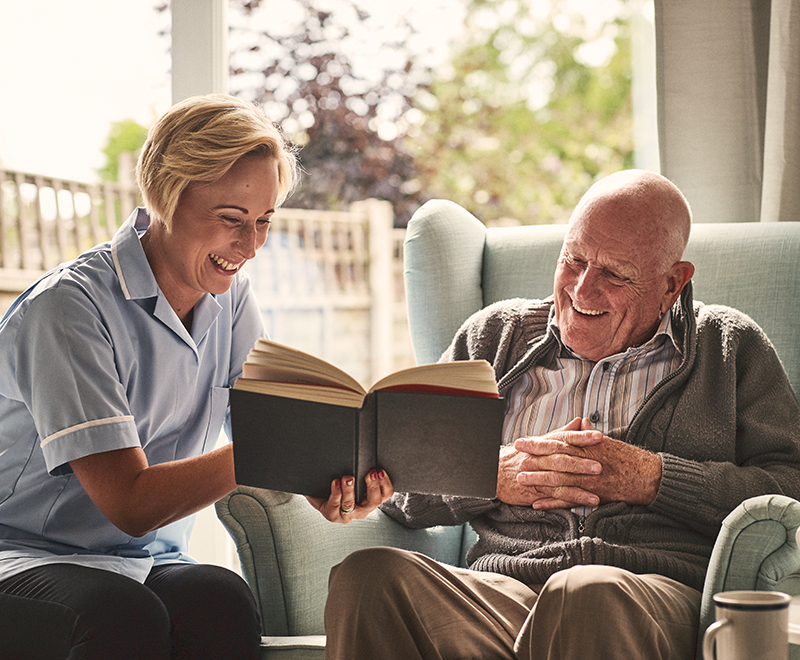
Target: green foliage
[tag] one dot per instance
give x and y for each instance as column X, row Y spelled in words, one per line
column 520, row 125
column 348, row 123
column 124, row 136
column 533, row 106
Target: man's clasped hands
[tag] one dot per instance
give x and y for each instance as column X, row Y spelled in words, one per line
column 576, row 465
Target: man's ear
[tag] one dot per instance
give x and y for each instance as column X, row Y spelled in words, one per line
column 677, row 278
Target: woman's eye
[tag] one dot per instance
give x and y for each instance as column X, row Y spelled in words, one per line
column 264, row 222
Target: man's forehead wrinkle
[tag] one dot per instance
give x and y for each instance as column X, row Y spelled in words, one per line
column 602, row 250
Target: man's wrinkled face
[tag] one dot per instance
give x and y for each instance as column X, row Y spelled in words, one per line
column 610, row 288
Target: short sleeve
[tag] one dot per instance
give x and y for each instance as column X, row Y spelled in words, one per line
column 67, row 376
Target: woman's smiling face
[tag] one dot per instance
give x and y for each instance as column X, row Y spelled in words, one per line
column 215, row 229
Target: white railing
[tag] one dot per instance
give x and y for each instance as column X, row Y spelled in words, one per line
column 46, row 220
column 332, row 283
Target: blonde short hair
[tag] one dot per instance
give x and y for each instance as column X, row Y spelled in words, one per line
column 198, row 140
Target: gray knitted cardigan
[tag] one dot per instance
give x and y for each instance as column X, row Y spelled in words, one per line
column 726, row 425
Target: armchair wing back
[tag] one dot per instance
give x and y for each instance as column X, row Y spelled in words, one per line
column 454, row 266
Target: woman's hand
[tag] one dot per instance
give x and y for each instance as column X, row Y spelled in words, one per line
column 341, row 506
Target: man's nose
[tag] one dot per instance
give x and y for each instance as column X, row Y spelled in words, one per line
column 589, row 282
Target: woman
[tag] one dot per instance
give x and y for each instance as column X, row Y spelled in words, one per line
column 114, row 377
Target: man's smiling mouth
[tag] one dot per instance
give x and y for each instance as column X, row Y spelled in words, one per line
column 223, row 263
column 587, row 312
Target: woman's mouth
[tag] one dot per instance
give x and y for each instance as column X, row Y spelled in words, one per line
column 224, row 263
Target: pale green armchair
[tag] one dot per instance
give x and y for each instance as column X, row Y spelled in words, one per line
column 454, row 266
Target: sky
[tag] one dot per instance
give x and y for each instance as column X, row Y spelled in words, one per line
column 69, row 68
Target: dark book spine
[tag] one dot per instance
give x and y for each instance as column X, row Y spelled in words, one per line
column 366, row 444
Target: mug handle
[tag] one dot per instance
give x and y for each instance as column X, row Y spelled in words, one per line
column 711, row 636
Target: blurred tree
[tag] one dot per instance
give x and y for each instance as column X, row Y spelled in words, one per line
column 348, row 120
column 124, row 136
column 535, row 106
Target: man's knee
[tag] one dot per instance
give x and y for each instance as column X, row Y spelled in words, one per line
column 590, row 579
column 368, row 567
column 617, row 611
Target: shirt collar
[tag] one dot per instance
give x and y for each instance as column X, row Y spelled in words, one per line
column 138, row 282
column 135, row 275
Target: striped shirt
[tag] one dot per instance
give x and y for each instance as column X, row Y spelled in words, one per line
column 608, row 392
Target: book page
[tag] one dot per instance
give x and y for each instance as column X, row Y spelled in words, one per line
column 336, row 396
column 268, row 360
column 280, row 373
column 470, row 376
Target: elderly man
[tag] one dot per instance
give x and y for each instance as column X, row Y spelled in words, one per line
column 636, row 420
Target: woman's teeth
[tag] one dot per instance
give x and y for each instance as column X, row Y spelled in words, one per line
column 590, row 312
column 223, row 263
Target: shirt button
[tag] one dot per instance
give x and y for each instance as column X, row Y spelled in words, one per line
column 595, row 418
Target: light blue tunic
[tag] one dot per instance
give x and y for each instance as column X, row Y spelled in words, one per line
column 93, row 358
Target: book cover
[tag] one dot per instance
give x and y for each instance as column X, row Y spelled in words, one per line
column 299, row 423
column 427, row 442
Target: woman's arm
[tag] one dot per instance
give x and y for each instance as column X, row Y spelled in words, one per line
column 139, row 498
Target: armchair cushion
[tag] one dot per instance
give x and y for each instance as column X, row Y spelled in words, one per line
column 286, row 549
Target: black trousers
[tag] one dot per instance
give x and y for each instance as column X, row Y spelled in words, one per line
column 182, row 611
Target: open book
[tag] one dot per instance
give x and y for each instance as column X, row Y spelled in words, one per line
column 299, row 422
column 273, row 368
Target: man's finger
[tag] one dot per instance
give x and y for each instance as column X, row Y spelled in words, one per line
column 563, row 463
column 554, row 443
column 552, row 484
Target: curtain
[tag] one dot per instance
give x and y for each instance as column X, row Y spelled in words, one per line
column 728, row 95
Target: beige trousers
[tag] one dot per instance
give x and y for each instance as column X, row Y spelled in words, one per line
column 387, row 604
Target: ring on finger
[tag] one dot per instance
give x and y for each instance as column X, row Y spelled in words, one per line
column 344, row 511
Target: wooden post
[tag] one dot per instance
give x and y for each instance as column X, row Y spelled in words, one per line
column 381, row 285
column 3, row 223
column 199, row 47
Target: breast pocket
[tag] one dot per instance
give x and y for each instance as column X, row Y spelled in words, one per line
column 220, row 396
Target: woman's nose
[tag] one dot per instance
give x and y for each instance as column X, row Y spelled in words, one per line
column 248, row 241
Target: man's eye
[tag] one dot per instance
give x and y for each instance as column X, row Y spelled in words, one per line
column 264, row 222
column 614, row 278
column 576, row 263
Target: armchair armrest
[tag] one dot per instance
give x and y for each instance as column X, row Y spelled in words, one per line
column 756, row 550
